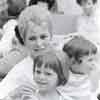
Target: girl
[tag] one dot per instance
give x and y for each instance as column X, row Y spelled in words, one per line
column 48, row 74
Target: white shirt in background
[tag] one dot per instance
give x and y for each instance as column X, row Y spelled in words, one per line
column 88, row 24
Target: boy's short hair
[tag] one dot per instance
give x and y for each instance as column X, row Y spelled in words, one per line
column 15, row 7
column 79, row 47
column 36, row 15
column 55, row 61
column 50, row 3
column 79, row 2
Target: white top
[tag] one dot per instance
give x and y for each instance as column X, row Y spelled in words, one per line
column 19, row 73
column 9, row 34
column 78, row 88
column 88, row 24
column 30, row 91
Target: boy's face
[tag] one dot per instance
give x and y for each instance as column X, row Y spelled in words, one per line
column 88, row 6
column 86, row 66
column 45, row 78
column 43, row 4
column 37, row 38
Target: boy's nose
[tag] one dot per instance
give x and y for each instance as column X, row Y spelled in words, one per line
column 89, row 3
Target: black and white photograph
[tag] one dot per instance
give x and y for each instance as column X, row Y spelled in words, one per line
column 49, row 49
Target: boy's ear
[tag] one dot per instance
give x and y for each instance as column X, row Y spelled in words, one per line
column 17, row 33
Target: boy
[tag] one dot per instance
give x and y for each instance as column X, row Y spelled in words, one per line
column 88, row 21
column 81, row 53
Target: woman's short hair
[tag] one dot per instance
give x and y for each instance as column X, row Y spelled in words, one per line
column 50, row 3
column 79, row 2
column 56, row 62
column 37, row 16
column 79, row 47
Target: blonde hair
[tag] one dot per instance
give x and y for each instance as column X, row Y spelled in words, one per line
column 37, row 16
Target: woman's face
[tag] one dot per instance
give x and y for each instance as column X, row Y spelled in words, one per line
column 45, row 78
column 37, row 38
column 42, row 4
column 88, row 6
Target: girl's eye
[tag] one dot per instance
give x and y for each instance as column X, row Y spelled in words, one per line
column 43, row 37
column 32, row 38
column 38, row 72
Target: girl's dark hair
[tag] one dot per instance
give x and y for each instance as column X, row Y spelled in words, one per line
column 79, row 2
column 50, row 3
column 52, row 61
column 79, row 47
column 18, row 36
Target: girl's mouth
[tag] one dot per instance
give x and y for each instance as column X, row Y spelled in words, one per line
column 39, row 49
column 41, row 83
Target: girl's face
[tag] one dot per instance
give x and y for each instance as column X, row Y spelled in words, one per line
column 86, row 66
column 88, row 7
column 37, row 38
column 46, row 78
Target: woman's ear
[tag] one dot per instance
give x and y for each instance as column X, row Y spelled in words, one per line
column 17, row 33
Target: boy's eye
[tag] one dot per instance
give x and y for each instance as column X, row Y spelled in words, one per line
column 43, row 36
column 32, row 38
column 47, row 73
column 90, row 59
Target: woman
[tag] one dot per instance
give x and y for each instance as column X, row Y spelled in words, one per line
column 35, row 30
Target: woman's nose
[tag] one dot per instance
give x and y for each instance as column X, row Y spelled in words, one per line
column 39, row 42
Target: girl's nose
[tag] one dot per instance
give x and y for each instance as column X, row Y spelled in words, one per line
column 42, row 76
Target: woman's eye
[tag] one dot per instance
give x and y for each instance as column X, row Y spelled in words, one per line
column 43, row 36
column 32, row 38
